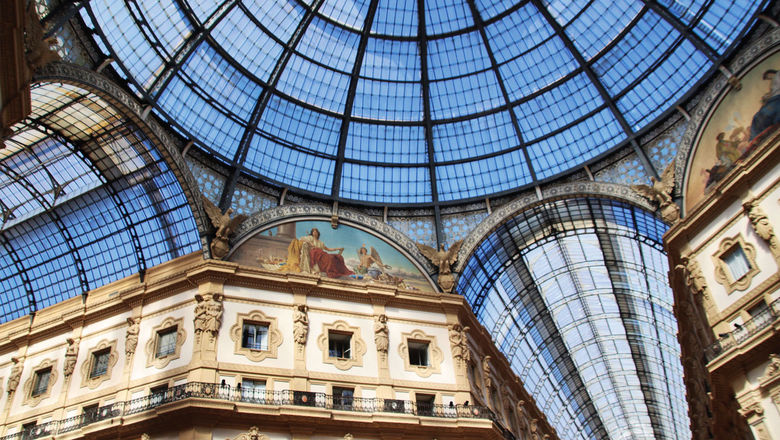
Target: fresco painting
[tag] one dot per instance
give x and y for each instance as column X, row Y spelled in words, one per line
column 742, row 119
column 313, row 247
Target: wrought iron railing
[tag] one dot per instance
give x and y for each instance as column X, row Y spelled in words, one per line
column 760, row 321
column 202, row 390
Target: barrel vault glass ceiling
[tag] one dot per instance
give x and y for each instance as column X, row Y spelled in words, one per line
column 399, row 102
column 574, row 293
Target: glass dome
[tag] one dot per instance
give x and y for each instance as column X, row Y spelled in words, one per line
column 395, row 102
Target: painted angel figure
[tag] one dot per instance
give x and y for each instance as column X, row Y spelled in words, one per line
column 660, row 193
column 225, row 227
column 368, row 258
column 443, row 259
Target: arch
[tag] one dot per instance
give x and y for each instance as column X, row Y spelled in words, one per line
column 129, row 107
column 574, row 292
column 279, row 214
column 551, row 192
column 706, row 106
column 91, row 197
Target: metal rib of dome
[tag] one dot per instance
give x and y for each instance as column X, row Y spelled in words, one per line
column 575, row 295
column 399, row 102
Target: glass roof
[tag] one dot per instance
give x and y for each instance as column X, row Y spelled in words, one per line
column 575, row 295
column 86, row 200
column 407, row 102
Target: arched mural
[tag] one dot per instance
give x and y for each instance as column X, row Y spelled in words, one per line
column 313, row 247
column 737, row 124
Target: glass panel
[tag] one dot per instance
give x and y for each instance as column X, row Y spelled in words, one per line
column 254, row 336
column 166, row 342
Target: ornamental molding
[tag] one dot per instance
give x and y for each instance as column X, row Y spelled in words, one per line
column 31, row 400
column 252, row 434
column 285, row 213
column 554, row 192
column 704, row 108
column 274, row 336
column 771, row 374
column 723, row 274
column 88, row 364
column 357, row 345
column 435, row 355
column 128, row 105
column 151, row 345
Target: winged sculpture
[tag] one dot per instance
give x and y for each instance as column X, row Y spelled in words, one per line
column 225, row 227
column 660, row 193
column 443, row 259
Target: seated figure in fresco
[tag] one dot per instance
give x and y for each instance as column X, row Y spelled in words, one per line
column 769, row 113
column 309, row 254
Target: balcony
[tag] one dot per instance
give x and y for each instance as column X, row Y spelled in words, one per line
column 761, row 321
column 202, row 390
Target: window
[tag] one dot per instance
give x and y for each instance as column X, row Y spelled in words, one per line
column 100, row 362
column 166, row 342
column 254, row 336
column 737, row 262
column 252, row 390
column 343, row 397
column 339, row 345
column 41, row 384
column 424, row 404
column 418, row 353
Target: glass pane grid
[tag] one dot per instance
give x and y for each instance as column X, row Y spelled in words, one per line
column 443, row 17
column 600, row 23
column 220, row 83
column 396, row 17
column 290, row 166
column 330, row 45
column 493, row 174
column 384, row 184
column 386, row 143
column 305, row 129
column 253, row 48
column 474, row 137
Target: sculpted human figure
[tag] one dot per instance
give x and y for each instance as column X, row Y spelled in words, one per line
column 381, row 334
column 301, row 324
column 208, row 313
column 760, row 222
column 70, row 357
column 460, row 349
column 15, row 376
column 131, row 337
column 694, row 277
column 486, row 373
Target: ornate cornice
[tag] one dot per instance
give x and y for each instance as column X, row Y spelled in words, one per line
column 530, row 199
column 129, row 106
column 717, row 89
